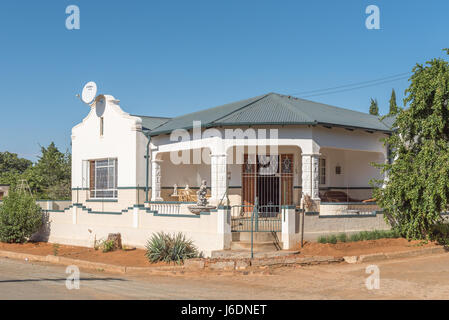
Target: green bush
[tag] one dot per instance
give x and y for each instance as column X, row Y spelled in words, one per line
column 20, row 218
column 332, row 239
column 440, row 233
column 107, row 245
column 170, row 248
column 363, row 235
column 342, row 237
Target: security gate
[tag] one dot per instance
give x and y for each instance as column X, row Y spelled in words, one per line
column 268, row 179
column 267, row 183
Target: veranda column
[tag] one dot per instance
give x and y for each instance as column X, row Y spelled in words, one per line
column 310, row 177
column 219, row 178
column 156, row 180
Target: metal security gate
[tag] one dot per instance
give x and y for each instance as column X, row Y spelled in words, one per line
column 254, row 219
column 267, row 183
column 270, row 179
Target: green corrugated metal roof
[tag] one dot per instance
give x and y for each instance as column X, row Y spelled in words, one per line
column 149, row 123
column 274, row 108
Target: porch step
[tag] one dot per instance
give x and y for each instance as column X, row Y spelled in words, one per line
column 257, row 236
column 265, row 246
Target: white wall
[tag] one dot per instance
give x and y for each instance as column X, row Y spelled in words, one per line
column 76, row 226
column 356, row 168
column 122, row 139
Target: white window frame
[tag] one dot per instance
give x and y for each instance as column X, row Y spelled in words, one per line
column 114, row 190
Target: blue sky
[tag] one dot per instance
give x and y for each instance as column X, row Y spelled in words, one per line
column 172, row 57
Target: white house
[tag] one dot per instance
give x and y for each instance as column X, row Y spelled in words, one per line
column 269, row 151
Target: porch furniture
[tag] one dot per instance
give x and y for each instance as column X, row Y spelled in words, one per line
column 337, row 196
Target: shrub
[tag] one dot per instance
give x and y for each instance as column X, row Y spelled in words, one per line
column 342, row 237
column 20, row 218
column 55, row 249
column 170, row 248
column 332, row 239
column 440, row 233
column 363, row 235
column 107, row 245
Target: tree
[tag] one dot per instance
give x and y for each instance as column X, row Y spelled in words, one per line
column 50, row 177
column 11, row 167
column 374, row 108
column 20, row 217
column 394, row 109
column 416, row 190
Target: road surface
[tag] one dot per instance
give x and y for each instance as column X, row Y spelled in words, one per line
column 413, row 278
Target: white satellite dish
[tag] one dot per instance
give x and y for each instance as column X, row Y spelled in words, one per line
column 89, row 92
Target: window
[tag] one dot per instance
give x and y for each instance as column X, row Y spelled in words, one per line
column 1, row 195
column 103, row 178
column 322, row 168
column 101, row 126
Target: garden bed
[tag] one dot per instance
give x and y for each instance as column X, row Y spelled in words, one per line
column 137, row 258
column 341, row 249
column 128, row 258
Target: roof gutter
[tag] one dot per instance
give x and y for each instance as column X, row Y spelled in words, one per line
column 250, row 124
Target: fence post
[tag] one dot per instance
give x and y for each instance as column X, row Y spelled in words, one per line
column 255, row 212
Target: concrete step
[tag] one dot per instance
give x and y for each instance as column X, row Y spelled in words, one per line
column 257, row 236
column 260, row 246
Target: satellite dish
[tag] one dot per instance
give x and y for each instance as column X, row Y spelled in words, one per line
column 89, row 92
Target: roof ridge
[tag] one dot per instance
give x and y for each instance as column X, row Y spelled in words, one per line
column 158, row 117
column 293, row 109
column 241, row 108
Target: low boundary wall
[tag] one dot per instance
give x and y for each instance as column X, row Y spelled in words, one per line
column 79, row 225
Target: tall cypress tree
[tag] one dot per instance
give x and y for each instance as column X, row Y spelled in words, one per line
column 393, row 105
column 374, row 108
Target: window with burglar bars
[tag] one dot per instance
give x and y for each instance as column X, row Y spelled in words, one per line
column 322, row 168
column 103, row 178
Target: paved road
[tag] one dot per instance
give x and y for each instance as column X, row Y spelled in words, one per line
column 413, row 278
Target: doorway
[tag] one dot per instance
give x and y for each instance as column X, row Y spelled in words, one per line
column 269, row 178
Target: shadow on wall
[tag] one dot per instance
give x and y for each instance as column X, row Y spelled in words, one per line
column 43, row 234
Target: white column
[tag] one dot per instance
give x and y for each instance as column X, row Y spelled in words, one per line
column 74, row 214
column 224, row 227
column 289, row 237
column 156, row 180
column 219, row 178
column 310, row 175
column 135, row 217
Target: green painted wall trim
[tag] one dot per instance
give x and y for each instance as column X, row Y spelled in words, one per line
column 131, row 188
column 372, row 214
column 104, row 212
column 170, row 202
column 312, row 213
column 288, row 207
column 344, row 188
column 347, row 203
